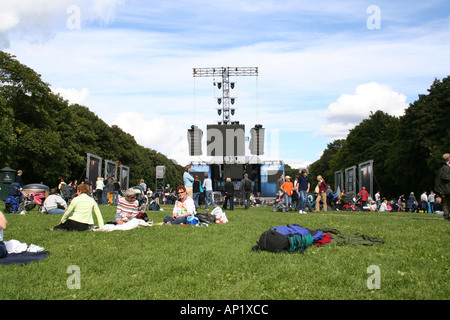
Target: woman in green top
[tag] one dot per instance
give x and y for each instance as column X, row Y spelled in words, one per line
column 79, row 214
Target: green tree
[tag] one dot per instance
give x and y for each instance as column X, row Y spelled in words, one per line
column 423, row 137
column 49, row 139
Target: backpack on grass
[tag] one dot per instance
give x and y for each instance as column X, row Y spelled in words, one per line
column 288, row 238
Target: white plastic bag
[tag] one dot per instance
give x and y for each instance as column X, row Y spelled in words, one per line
column 221, row 217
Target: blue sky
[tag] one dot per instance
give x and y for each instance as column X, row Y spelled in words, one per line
column 323, row 65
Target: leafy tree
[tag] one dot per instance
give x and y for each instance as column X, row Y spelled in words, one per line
column 423, row 138
column 406, row 150
column 49, row 139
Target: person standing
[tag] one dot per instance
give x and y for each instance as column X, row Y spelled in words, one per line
column 246, row 190
column 321, row 194
column 364, row 196
column 209, row 197
column 188, row 181
column 19, row 178
column 303, row 186
column 229, row 194
column 424, row 202
column 378, row 199
column 442, row 184
column 110, row 191
column 287, row 188
column 196, row 191
column 116, row 192
column 280, row 181
column 431, row 201
column 99, row 190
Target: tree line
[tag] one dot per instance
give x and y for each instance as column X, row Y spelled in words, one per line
column 48, row 138
column 406, row 150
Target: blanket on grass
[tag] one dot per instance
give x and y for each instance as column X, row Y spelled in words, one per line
column 23, row 258
column 22, row 253
column 132, row 224
column 343, row 239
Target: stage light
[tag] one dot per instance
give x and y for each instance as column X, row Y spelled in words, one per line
column 219, row 100
column 219, row 111
column 232, row 100
column 232, row 112
column 232, row 85
column 219, row 85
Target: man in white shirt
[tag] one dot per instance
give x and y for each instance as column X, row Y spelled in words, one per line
column 55, row 204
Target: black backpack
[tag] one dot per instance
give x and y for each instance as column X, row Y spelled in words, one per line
column 247, row 185
column 288, row 238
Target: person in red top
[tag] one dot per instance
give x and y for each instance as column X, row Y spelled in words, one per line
column 364, row 196
column 287, row 188
column 322, row 194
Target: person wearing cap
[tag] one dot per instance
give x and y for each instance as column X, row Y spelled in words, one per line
column 287, row 188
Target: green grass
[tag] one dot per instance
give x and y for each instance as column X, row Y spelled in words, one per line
column 217, row 263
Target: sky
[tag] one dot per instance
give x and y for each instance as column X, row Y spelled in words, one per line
column 323, row 66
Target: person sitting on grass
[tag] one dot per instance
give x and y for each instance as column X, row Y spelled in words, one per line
column 127, row 207
column 54, row 203
column 79, row 214
column 184, row 207
column 3, row 225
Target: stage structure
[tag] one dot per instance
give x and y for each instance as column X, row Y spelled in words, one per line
column 110, row 170
column 225, row 143
column 93, row 168
column 350, row 180
column 160, row 178
column 339, row 181
column 365, row 170
column 124, row 177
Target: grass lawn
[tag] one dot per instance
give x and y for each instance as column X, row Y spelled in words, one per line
column 217, row 263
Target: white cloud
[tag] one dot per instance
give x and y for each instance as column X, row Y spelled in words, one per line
column 38, row 20
column 74, row 96
column 350, row 109
column 169, row 139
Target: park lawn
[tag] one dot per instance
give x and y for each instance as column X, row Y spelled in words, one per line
column 217, row 262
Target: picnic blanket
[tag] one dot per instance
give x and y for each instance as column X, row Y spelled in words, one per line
column 130, row 225
column 23, row 258
column 22, row 253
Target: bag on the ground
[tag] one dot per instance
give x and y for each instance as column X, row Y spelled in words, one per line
column 153, row 206
column 192, row 220
column 221, row 217
column 288, row 238
column 207, row 218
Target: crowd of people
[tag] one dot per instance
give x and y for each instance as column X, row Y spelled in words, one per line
column 79, row 206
